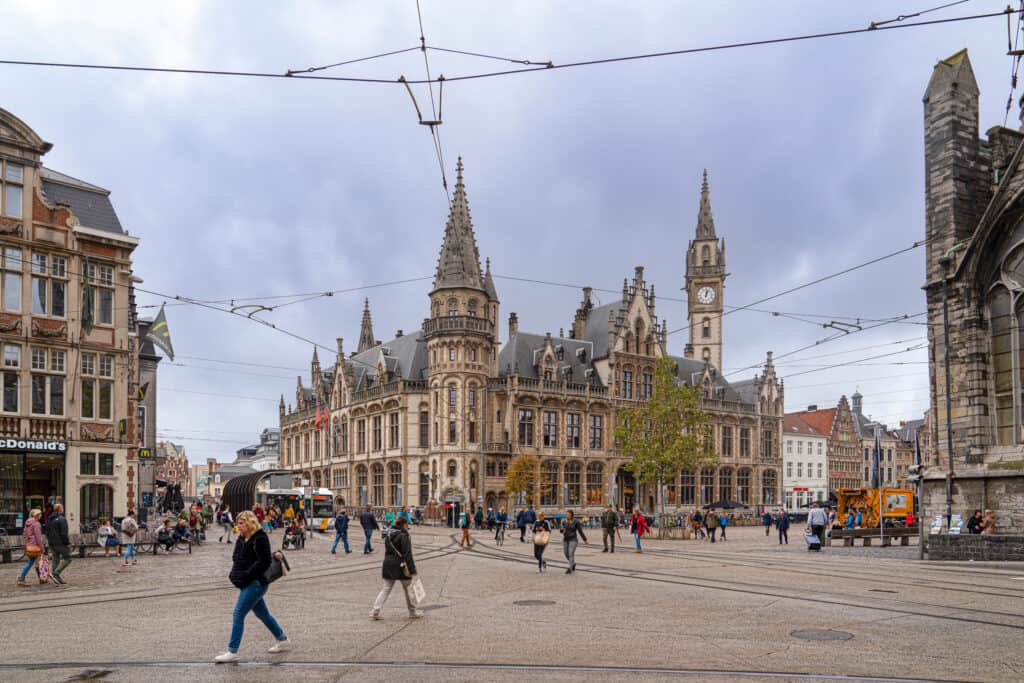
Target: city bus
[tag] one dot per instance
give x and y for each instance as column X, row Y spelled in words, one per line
column 316, row 504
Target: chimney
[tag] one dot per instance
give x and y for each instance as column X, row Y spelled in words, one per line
column 812, row 407
column 398, row 334
column 513, row 324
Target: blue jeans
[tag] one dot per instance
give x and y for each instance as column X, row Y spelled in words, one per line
column 129, row 552
column 340, row 536
column 250, row 598
column 29, row 561
column 637, row 537
column 366, row 546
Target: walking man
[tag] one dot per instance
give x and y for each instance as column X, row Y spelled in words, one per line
column 227, row 522
column 782, row 524
column 711, row 522
column 521, row 523
column 57, row 536
column 340, row 532
column 609, row 524
column 465, row 524
column 766, row 520
column 369, row 524
column 817, row 519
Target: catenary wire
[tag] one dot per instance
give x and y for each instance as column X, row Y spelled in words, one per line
column 904, row 17
column 292, row 72
column 495, row 74
column 854, row 362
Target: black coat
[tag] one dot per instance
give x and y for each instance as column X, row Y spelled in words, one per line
column 250, row 560
column 368, row 521
column 397, row 548
column 57, row 530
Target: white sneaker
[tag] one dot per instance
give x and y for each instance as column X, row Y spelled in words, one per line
column 416, row 614
column 280, row 646
column 226, row 658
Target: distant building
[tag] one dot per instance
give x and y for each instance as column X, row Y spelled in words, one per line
column 896, row 454
column 261, row 456
column 844, row 460
column 198, row 480
column 171, row 463
column 805, row 462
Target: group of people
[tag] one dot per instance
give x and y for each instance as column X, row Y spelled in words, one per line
column 707, row 525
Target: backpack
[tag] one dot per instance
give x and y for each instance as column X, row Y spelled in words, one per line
column 128, row 526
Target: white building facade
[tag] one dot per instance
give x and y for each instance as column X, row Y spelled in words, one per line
column 804, row 463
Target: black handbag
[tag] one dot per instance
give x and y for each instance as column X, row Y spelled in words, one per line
column 277, row 569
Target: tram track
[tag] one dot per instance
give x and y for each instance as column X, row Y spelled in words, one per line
column 818, row 597
column 537, row 669
column 103, row 596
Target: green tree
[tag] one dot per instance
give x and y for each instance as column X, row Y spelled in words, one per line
column 523, row 476
column 666, row 433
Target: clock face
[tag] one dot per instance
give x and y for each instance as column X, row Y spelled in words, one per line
column 706, row 295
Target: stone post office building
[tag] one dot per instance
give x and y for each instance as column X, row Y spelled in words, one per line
column 64, row 391
column 437, row 414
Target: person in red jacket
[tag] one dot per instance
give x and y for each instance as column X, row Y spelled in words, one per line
column 638, row 527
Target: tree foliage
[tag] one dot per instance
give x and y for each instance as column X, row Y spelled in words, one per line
column 523, row 476
column 668, row 432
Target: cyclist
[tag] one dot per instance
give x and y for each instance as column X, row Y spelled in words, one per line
column 500, row 522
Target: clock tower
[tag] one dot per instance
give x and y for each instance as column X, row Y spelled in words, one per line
column 705, row 285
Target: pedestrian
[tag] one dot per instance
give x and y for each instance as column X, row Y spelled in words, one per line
column 340, row 532
column 404, row 512
column 766, row 522
column 541, row 536
column 500, row 521
column 129, row 528
column 782, row 525
column 817, row 519
column 369, row 524
column 988, row 523
column 57, row 537
column 572, row 531
column 107, row 538
column 711, row 523
column 521, row 524
column 723, row 523
column 227, row 523
column 465, row 524
column 389, row 519
column 698, row 526
column 609, row 524
column 974, row 523
column 478, row 518
column 638, row 527
column 398, row 566
column 859, row 522
column 249, row 563
column 910, row 520
column 851, row 521
column 490, row 519
column 32, row 535
column 531, row 517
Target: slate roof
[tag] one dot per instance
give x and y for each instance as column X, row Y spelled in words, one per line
column 691, row 372
column 90, row 203
column 524, row 349
column 597, row 327
column 406, row 358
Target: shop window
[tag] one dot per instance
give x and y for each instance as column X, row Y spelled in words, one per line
column 11, row 183
column 12, row 279
column 572, row 483
column 595, row 483
column 97, row 502
column 97, row 386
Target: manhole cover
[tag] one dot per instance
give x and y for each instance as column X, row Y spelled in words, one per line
column 821, row 634
column 533, row 603
column 427, row 608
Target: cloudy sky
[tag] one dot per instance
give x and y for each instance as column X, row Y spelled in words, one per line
column 251, row 188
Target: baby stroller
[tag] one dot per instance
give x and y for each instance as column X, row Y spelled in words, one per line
column 813, row 542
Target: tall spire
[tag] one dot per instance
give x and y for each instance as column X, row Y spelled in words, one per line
column 492, row 293
column 366, row 340
column 705, row 221
column 459, row 262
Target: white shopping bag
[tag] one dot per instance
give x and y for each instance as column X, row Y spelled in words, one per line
column 418, row 591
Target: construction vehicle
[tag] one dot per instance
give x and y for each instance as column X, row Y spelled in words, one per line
column 896, row 504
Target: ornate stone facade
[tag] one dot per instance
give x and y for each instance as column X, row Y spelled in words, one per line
column 438, row 414
column 974, row 201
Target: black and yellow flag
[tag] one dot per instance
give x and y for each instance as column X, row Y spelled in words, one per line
column 160, row 335
column 141, row 391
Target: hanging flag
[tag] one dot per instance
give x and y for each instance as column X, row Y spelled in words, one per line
column 876, row 456
column 160, row 335
column 917, row 448
column 142, row 391
column 316, row 421
column 88, row 301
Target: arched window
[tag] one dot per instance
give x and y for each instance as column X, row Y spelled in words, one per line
column 1001, row 324
column 452, row 469
column 453, row 308
column 549, row 483
column 595, row 483
column 705, row 255
column 472, row 476
column 97, row 502
column 572, row 483
column 395, row 483
column 743, row 486
column 705, row 328
column 725, row 491
column 769, row 486
column 361, row 491
column 424, row 484
column 707, row 485
column 671, row 485
column 471, row 308
column 378, row 485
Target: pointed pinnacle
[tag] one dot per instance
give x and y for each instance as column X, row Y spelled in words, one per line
column 704, row 186
column 458, row 171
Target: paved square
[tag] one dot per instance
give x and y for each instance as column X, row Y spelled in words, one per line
column 743, row 610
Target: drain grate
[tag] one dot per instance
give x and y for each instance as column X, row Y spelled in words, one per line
column 533, row 603
column 821, row 634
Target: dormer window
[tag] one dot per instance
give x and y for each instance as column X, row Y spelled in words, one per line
column 559, row 353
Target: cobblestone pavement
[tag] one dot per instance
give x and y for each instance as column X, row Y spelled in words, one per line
column 745, row 610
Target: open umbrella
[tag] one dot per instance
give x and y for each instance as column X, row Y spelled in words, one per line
column 725, row 505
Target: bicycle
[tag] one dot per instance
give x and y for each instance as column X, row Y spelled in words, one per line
column 499, row 538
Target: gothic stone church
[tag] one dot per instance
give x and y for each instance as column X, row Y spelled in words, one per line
column 437, row 414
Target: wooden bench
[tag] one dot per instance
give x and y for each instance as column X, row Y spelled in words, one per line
column 849, row 536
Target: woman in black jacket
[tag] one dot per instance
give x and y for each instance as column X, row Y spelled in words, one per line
column 250, row 561
column 572, row 531
column 541, row 535
column 398, row 566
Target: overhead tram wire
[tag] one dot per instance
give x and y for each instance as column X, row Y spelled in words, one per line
column 312, row 69
column 860, row 360
column 903, row 17
column 532, row 69
column 434, row 133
